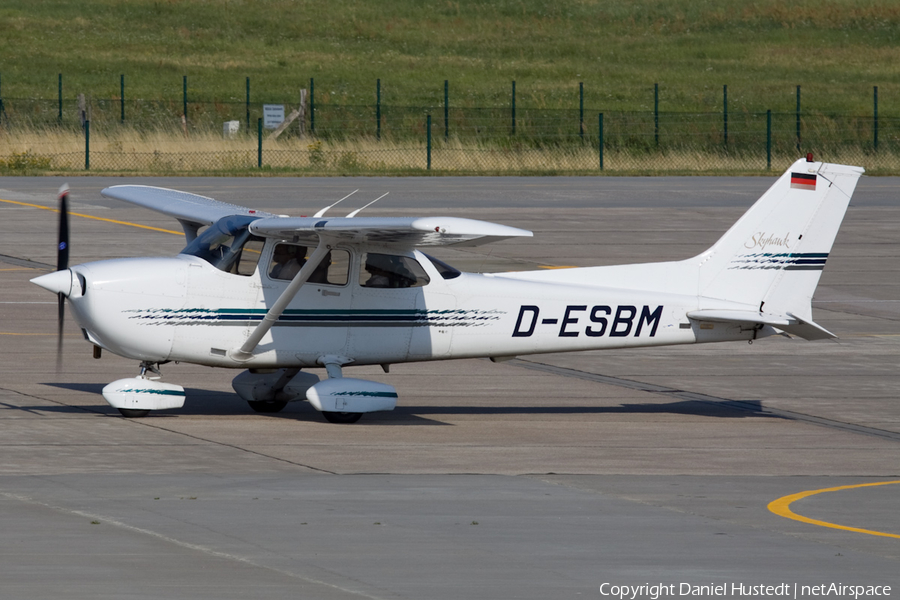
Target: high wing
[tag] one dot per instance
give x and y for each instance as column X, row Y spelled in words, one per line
column 192, row 210
column 406, row 232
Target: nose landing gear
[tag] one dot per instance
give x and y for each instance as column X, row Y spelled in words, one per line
column 135, row 397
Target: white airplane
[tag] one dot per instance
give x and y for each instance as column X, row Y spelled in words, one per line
column 273, row 295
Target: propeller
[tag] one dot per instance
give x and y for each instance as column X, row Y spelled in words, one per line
column 62, row 263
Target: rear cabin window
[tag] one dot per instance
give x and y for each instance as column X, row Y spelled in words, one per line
column 445, row 270
column 391, row 271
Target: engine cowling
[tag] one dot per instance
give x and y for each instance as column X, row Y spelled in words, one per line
column 347, row 395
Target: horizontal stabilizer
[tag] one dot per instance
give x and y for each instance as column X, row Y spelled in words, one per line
column 789, row 323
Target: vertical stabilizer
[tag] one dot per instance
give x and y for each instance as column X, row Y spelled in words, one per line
column 772, row 258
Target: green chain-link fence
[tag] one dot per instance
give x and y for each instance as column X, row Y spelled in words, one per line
column 153, row 137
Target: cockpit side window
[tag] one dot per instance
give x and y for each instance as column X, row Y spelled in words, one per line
column 229, row 246
column 391, row 271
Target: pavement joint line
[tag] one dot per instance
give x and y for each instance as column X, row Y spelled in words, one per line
column 161, row 428
column 781, row 507
column 183, row 544
column 33, row 397
column 707, row 399
column 232, row 446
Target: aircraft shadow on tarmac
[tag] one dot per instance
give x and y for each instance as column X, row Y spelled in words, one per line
column 214, row 403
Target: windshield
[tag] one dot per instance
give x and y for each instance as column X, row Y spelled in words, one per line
column 225, row 243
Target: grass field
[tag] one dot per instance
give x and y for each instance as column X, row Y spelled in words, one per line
column 837, row 50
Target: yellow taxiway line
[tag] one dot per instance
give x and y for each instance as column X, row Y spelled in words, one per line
column 93, row 217
column 781, row 507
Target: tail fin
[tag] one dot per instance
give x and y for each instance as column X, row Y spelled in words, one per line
column 772, row 258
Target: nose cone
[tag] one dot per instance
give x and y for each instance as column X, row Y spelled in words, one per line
column 59, row 282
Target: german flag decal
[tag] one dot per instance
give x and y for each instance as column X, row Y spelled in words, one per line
column 803, row 181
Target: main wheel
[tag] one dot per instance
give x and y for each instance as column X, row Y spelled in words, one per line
column 133, row 413
column 264, row 406
column 342, row 418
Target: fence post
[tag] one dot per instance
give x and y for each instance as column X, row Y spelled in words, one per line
column 259, row 142
column 378, row 109
column 656, row 113
column 428, row 133
column 312, row 106
column 59, row 118
column 446, row 109
column 798, row 118
column 581, row 110
column 87, row 145
column 725, row 114
column 601, row 141
column 1, row 104
column 874, row 123
column 769, row 139
column 514, row 107
column 248, row 104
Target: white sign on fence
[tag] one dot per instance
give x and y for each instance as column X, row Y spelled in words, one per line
column 273, row 115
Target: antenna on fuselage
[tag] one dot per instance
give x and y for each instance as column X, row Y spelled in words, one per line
column 322, row 212
column 355, row 212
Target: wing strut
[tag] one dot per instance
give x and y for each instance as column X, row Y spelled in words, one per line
column 245, row 352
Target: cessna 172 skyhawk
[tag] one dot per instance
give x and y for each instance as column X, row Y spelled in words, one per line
column 272, row 295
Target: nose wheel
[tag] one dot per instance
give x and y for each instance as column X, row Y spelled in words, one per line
column 132, row 413
column 341, row 418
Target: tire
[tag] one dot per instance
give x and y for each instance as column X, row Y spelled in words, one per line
column 263, row 406
column 341, row 418
column 134, row 413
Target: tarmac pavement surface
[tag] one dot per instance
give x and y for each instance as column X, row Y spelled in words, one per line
column 550, row 476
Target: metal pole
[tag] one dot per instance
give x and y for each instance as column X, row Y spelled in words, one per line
column 581, row 110
column 59, row 118
column 259, row 143
column 514, row 107
column 312, row 106
column 184, row 90
column 725, row 113
column 446, row 109
column 656, row 113
column 798, row 118
column 87, row 145
column 874, row 124
column 769, row 139
column 122, row 95
column 378, row 109
column 248, row 103
column 601, row 141
column 428, row 130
